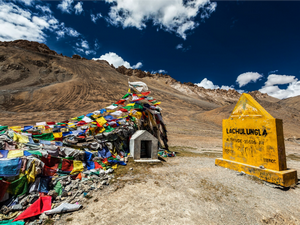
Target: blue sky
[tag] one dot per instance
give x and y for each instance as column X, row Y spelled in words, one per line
column 245, row 45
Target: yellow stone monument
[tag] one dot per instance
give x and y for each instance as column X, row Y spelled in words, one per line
column 253, row 143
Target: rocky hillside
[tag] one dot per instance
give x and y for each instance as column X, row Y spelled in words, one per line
column 37, row 84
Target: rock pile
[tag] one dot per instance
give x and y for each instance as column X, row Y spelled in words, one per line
column 50, row 167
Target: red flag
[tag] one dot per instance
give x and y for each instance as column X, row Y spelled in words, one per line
column 49, row 172
column 98, row 166
column 67, row 165
column 51, row 162
column 146, row 93
column 138, row 99
column 80, row 123
column 123, row 110
column 120, row 102
column 3, row 187
column 79, row 176
column 39, row 206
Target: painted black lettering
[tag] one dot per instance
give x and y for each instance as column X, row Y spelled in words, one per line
column 244, row 131
column 265, row 133
column 269, row 160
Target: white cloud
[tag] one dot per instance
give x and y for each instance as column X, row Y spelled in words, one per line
column 224, row 87
column 17, row 23
column 279, row 79
column 83, row 47
column 272, row 72
column 245, row 78
column 162, row 71
column 207, row 84
column 159, row 71
column 62, row 31
column 96, row 45
column 78, row 8
column 179, row 46
column 89, row 52
column 65, row 6
column 94, row 18
column 117, row 61
column 176, row 16
column 27, row 2
column 240, row 91
column 43, row 8
column 272, row 89
column 71, row 32
column 85, row 44
column 184, row 49
column 137, row 66
column 86, row 52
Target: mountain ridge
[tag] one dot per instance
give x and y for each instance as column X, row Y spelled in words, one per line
column 38, row 84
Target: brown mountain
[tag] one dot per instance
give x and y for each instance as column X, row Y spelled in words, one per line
column 37, row 84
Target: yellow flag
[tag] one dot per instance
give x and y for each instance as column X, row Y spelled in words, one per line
column 77, row 166
column 16, row 128
column 20, row 138
column 47, row 131
column 92, row 129
column 72, row 125
column 138, row 115
column 30, row 173
column 101, row 121
column 64, row 129
column 15, row 154
column 102, row 129
column 96, row 116
column 115, row 166
column 57, row 134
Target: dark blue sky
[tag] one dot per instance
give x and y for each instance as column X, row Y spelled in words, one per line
column 238, row 37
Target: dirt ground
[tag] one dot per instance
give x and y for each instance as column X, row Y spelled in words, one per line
column 190, row 189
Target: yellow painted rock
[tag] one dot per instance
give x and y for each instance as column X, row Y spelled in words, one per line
column 253, row 142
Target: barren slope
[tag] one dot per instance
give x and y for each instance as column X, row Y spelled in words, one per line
column 293, row 102
column 37, row 84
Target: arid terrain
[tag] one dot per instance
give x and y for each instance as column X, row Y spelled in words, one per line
column 37, row 84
